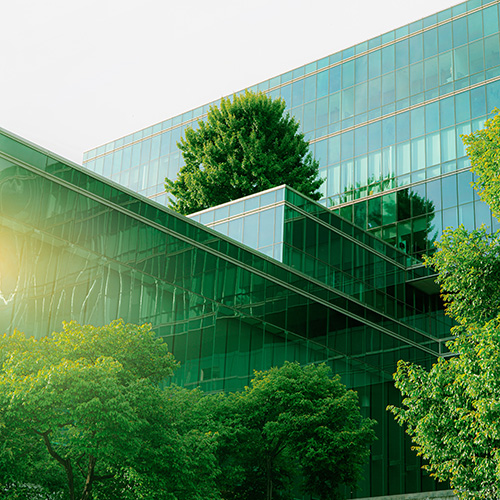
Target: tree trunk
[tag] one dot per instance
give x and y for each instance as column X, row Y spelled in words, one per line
column 269, row 479
column 65, row 462
column 87, row 490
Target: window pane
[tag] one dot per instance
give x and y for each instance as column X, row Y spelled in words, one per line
column 462, row 107
column 416, row 78
column 335, row 79
column 388, row 132
column 433, row 149
column 448, row 138
column 459, row 32
column 374, row 93
column 476, row 57
column 417, row 154
column 444, row 37
column 348, row 74
column 347, row 149
column 431, row 73
column 374, row 136
column 490, row 20
column 492, row 51
column 449, row 187
column 403, row 158
column 297, row 93
column 402, row 58
column 361, row 69
column 374, row 64
column 432, row 117
column 478, row 102
column 461, row 66
column 334, row 149
column 417, row 122
column 322, row 84
column 445, row 68
column 403, row 126
column 334, row 107
column 347, row 103
column 309, row 117
column 360, row 98
column 388, row 89
column 250, row 230
column 310, row 88
column 447, row 112
column 402, row 84
column 475, row 25
column 430, row 43
column 360, row 140
column 416, row 48
column 388, row 59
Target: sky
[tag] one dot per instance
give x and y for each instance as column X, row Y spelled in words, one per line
column 76, row 74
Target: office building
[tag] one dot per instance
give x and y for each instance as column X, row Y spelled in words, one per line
column 74, row 246
column 275, row 276
column 384, row 119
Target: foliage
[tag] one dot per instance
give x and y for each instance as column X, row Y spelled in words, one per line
column 483, row 148
column 291, row 424
column 245, row 146
column 452, row 411
column 468, row 265
column 89, row 399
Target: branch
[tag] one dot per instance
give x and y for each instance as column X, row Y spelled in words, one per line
column 66, row 463
column 48, row 444
column 78, row 460
column 277, row 450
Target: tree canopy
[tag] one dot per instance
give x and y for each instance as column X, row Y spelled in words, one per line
column 292, row 425
column 245, row 145
column 82, row 417
column 84, row 404
column 452, row 411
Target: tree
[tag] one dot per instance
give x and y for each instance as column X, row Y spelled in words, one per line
column 483, row 148
column 89, row 398
column 292, row 424
column 452, row 411
column 245, row 146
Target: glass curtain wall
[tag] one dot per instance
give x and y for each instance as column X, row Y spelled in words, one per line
column 75, row 247
column 384, row 119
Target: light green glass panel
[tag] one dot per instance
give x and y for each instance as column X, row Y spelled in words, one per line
column 403, row 158
column 448, row 143
column 433, row 149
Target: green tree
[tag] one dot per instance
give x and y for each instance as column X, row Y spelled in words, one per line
column 292, row 424
column 452, row 411
column 89, row 399
column 246, row 145
column 483, row 148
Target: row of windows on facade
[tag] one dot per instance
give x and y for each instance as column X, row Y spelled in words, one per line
column 378, row 170
column 158, row 164
column 357, row 100
column 402, row 53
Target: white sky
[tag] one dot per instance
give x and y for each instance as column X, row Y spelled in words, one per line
column 78, row 73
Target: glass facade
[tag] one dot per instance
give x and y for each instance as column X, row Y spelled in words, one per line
column 275, row 276
column 307, row 237
column 76, row 246
column 384, row 119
